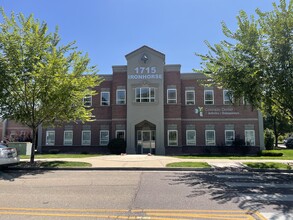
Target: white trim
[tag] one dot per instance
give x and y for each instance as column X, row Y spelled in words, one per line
column 169, row 100
column 67, row 144
column 227, row 141
column 229, row 101
column 213, row 96
column 188, row 141
column 47, row 135
column 193, row 101
column 105, row 141
column 248, row 139
column 89, row 102
column 86, row 142
column 107, row 103
column 206, row 140
column 176, row 144
column 122, row 100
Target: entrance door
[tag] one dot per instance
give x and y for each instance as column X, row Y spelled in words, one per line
column 146, row 139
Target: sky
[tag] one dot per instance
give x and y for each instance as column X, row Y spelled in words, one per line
column 109, row 29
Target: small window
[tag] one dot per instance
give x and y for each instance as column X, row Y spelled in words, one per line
column 145, row 94
column 121, row 97
column 210, row 137
column 120, row 134
column 105, row 98
column 229, row 137
column 87, row 101
column 50, row 138
column 190, row 137
column 86, row 138
column 172, row 138
column 208, row 97
column 227, row 97
column 68, row 137
column 189, row 97
column 250, row 137
column 104, row 137
column 171, row 96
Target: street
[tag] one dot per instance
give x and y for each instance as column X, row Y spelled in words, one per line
column 145, row 195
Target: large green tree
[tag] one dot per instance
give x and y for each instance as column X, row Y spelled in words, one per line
column 256, row 60
column 41, row 81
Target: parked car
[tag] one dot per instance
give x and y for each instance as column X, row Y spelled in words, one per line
column 8, row 155
column 289, row 142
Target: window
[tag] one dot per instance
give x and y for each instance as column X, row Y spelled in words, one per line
column 145, row 94
column 249, row 137
column 104, row 137
column 120, row 134
column 229, row 137
column 105, row 98
column 190, row 137
column 68, row 137
column 227, row 97
column 87, row 101
column 86, row 138
column 210, row 137
column 209, row 97
column 172, row 138
column 50, row 138
column 171, row 96
column 189, row 97
column 120, row 97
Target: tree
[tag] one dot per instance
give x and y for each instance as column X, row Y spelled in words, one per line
column 257, row 63
column 41, row 82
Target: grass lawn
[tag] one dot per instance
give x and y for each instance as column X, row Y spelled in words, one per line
column 189, row 164
column 287, row 155
column 54, row 164
column 268, row 165
column 46, row 156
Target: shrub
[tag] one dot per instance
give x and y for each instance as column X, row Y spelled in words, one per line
column 238, row 142
column 269, row 139
column 270, row 153
column 117, row 146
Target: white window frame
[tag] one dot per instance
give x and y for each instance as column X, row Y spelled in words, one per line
column 190, row 142
column 51, row 142
column 83, row 141
column 68, row 142
column 172, row 142
column 208, row 142
column 189, row 102
column 151, row 98
column 213, row 96
column 87, row 101
column 172, row 100
column 229, row 142
column 248, row 139
column 117, row 131
column 105, row 103
column 120, row 101
column 104, row 141
column 227, row 100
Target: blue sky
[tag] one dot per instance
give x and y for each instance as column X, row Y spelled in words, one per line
column 109, row 29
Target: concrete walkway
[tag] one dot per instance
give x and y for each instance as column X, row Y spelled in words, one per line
column 153, row 161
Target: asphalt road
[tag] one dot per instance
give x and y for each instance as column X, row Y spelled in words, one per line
column 145, row 195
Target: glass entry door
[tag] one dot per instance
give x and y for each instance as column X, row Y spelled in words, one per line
column 147, row 141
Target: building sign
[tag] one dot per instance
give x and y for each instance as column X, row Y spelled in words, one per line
column 221, row 111
column 145, row 73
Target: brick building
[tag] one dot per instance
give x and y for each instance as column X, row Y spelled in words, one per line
column 157, row 109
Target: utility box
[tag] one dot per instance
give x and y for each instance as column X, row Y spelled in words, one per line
column 23, row 148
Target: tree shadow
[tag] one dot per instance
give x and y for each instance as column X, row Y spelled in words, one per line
column 12, row 173
column 216, row 186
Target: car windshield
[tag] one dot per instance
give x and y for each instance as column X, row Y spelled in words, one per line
column 3, row 146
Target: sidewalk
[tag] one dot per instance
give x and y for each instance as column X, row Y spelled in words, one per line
column 153, row 161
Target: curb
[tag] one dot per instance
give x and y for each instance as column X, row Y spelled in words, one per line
column 226, row 169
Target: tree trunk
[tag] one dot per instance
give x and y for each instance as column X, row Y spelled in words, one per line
column 33, row 145
column 275, row 131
